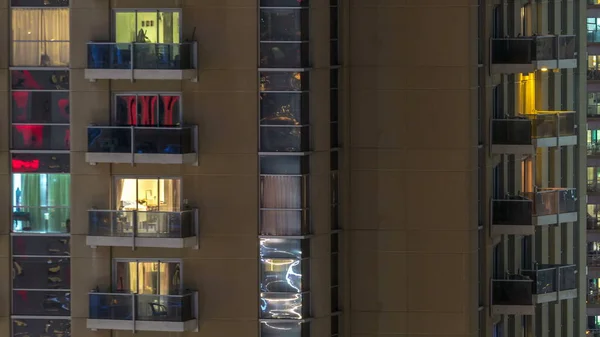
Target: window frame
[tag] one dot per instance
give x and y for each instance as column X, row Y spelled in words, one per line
column 116, row 178
column 115, row 261
column 113, row 28
column 113, row 114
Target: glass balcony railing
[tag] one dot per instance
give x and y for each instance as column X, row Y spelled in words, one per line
column 520, row 209
column 521, row 130
column 519, row 289
column 141, row 139
column 593, row 110
column 593, row 75
column 593, row 296
column 525, row 50
column 36, row 219
column 593, row 2
column 141, row 307
column 113, row 55
column 142, row 224
column 593, row 259
column 592, row 332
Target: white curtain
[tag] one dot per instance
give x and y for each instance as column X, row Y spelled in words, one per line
column 40, row 37
column 282, row 205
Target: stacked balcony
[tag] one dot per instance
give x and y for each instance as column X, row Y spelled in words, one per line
column 143, row 312
column 157, row 229
column 519, row 294
column 593, row 302
column 141, row 61
column 524, row 133
column 530, row 53
column 142, row 144
column 521, row 214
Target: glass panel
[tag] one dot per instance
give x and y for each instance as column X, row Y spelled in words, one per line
column 147, row 27
column 41, row 273
column 512, row 212
column 40, row 163
column 284, row 306
column 511, row 131
column 40, row 37
column 125, row 110
column 40, row 245
column 169, row 30
column 170, row 192
column 39, row 79
column 126, row 276
column 287, row 165
column 512, row 292
column 163, row 140
column 111, row 306
column 334, row 105
column 109, row 140
column 40, row 107
column 284, row 192
column 125, row 27
column 163, row 56
column 283, row 329
column 169, row 110
column 334, row 270
column 289, row 138
column 335, row 299
column 39, row 3
column 170, row 278
column 284, row 108
column 164, row 308
column 41, row 327
column 148, row 194
column 109, row 55
column 284, row 248
column 148, row 273
column 284, row 222
column 283, row 275
column 283, row 24
column 147, row 107
column 283, row 81
column 41, row 303
column 568, row 277
column 284, row 55
column 333, row 22
column 41, row 137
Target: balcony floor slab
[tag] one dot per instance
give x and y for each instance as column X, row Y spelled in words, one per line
column 141, row 74
column 156, row 242
column 514, row 68
column 141, row 158
column 528, row 310
column 108, row 324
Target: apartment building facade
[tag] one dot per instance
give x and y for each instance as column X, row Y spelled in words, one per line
column 284, row 168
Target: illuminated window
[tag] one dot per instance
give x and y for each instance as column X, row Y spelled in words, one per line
column 147, row 26
column 40, row 37
column 41, row 202
column 147, row 277
column 148, row 194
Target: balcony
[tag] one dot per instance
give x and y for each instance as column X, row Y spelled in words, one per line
column 593, row 116
column 519, row 294
column 525, row 133
column 143, row 229
column 141, row 61
column 593, row 154
column 530, row 53
column 142, row 145
column 138, row 312
column 593, row 226
column 520, row 214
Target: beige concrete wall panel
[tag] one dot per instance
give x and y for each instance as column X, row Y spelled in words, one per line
column 88, row 273
column 90, row 4
column 87, row 24
column 437, row 324
column 5, row 204
column 156, row 170
column 80, row 167
column 319, row 42
column 320, row 203
column 227, row 36
column 5, row 119
column 5, row 326
column 226, row 220
column 228, row 289
column 5, row 30
column 79, row 249
column 378, row 200
column 146, row 253
column 5, row 162
column 441, row 241
column 320, row 291
column 225, row 247
column 320, row 246
column 440, row 201
column 224, row 328
column 365, row 323
column 212, row 80
column 320, row 109
column 218, row 3
column 411, row 77
column 96, row 193
column 79, row 83
column 223, row 164
column 227, row 121
column 145, row 3
column 88, row 107
column 379, row 281
column 381, row 240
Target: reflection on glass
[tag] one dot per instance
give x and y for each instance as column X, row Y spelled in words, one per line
column 284, row 329
column 141, row 224
column 40, row 107
column 41, row 202
column 284, row 108
column 41, row 245
column 39, row 79
column 41, row 327
column 283, row 275
column 112, row 55
column 41, row 137
column 283, row 55
column 41, row 273
column 283, row 24
column 117, row 306
column 284, row 306
column 286, row 165
column 157, row 140
column 288, row 138
column 284, row 248
column 150, row 110
column 41, row 303
column 283, row 81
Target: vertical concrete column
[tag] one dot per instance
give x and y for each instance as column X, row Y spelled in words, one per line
column 5, row 192
column 90, row 185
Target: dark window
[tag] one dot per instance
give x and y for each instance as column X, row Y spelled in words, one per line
column 335, row 245
column 334, row 160
column 283, row 81
column 40, row 163
column 39, row 3
column 41, row 303
column 283, row 24
column 333, row 22
column 41, row 327
column 41, row 245
column 283, row 3
column 284, row 55
column 40, row 79
column 334, row 52
column 334, row 270
column 284, row 108
column 154, row 110
column 40, row 107
column 292, row 165
column 40, row 137
column 335, row 299
column 335, row 325
column 41, row 273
